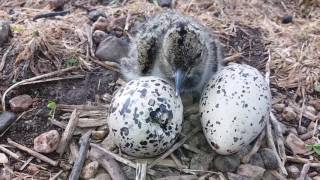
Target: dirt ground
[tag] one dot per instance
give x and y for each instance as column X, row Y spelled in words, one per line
column 252, row 32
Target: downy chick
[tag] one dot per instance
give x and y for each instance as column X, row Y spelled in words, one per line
column 174, row 47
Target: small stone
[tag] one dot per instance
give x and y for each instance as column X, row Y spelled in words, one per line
column 20, row 103
column 56, row 4
column 293, row 171
column 232, row 176
column 287, row 19
column 90, row 170
column 288, row 114
column 302, row 130
column 311, row 126
column 311, row 109
column 95, row 14
column 315, row 103
column 256, row 160
column 316, row 178
column 32, row 169
column 293, row 130
column 164, row 3
column 269, row 159
column 47, row 142
column 295, row 144
column 6, row 118
column 102, row 176
column 99, row 135
column 3, row 159
column 279, row 107
column 201, row 161
column 99, row 36
column 251, row 171
column 269, row 176
column 4, row 31
column 227, row 163
column 112, row 49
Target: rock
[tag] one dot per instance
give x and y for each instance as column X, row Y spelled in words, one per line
column 268, row 176
column 256, row 160
column 112, row 49
column 99, row 135
column 95, row 14
column 315, row 103
column 295, row 144
column 316, row 178
column 250, row 171
column 4, row 31
column 20, row 103
column 3, row 159
column 99, row 36
column 227, row 163
column 232, row 176
column 287, row 19
column 244, row 150
column 32, row 169
column 302, row 130
column 164, row 3
column 201, row 161
column 279, row 107
column 56, row 4
column 6, row 118
column 288, row 114
column 311, row 109
column 293, row 171
column 102, row 176
column 311, row 126
column 90, row 170
column 269, row 159
column 47, row 142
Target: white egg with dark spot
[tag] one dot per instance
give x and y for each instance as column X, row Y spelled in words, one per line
column 234, row 108
column 145, row 117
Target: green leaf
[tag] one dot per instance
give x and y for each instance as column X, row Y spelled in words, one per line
column 309, row 147
column 317, row 88
column 72, row 62
column 316, row 149
column 52, row 105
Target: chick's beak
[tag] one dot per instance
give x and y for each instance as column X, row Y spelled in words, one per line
column 180, row 75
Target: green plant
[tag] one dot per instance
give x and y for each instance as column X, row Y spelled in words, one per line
column 314, row 147
column 317, row 88
column 52, row 106
column 72, row 61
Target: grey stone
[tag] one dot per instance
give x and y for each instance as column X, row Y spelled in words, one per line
column 232, row 176
column 249, row 170
column 268, row 176
column 3, row 159
column 99, row 36
column 164, row 3
column 269, row 159
column 6, row 118
column 293, row 171
column 112, row 49
column 227, row 163
column 95, row 14
column 90, row 170
column 102, row 176
column 4, row 31
column 257, row 160
column 201, row 161
column 302, row 130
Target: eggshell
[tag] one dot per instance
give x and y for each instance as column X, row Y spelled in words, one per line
column 145, row 117
column 234, row 107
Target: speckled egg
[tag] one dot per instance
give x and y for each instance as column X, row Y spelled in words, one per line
column 234, row 108
column 145, row 117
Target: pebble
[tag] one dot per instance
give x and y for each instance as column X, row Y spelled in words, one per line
column 99, row 135
column 269, row 176
column 102, row 176
column 227, row 163
column 112, row 49
column 293, row 171
column 232, row 176
column 164, row 3
column 201, row 161
column 90, row 170
column 288, row 114
column 302, row 130
column 56, row 4
column 4, row 31
column 6, row 118
column 279, row 107
column 315, row 104
column 251, row 171
column 99, row 36
column 95, row 14
column 47, row 142
column 32, row 169
column 269, row 159
column 3, row 159
column 311, row 109
column 20, row 103
column 287, row 19
column 316, row 178
column 295, row 144
column 256, row 160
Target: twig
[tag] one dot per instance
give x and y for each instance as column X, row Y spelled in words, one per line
column 245, row 159
column 179, row 165
column 33, row 153
column 56, row 175
column 105, row 65
column 279, row 137
column 78, row 164
column 297, row 159
column 26, row 163
column 119, row 158
column 4, row 57
column 174, row 147
column 55, row 79
column 89, row 30
column 141, row 171
column 3, row 100
column 173, row 4
column 10, row 153
column 68, row 132
column 127, row 25
column 193, row 149
column 50, row 14
column 74, row 152
column 304, row 172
